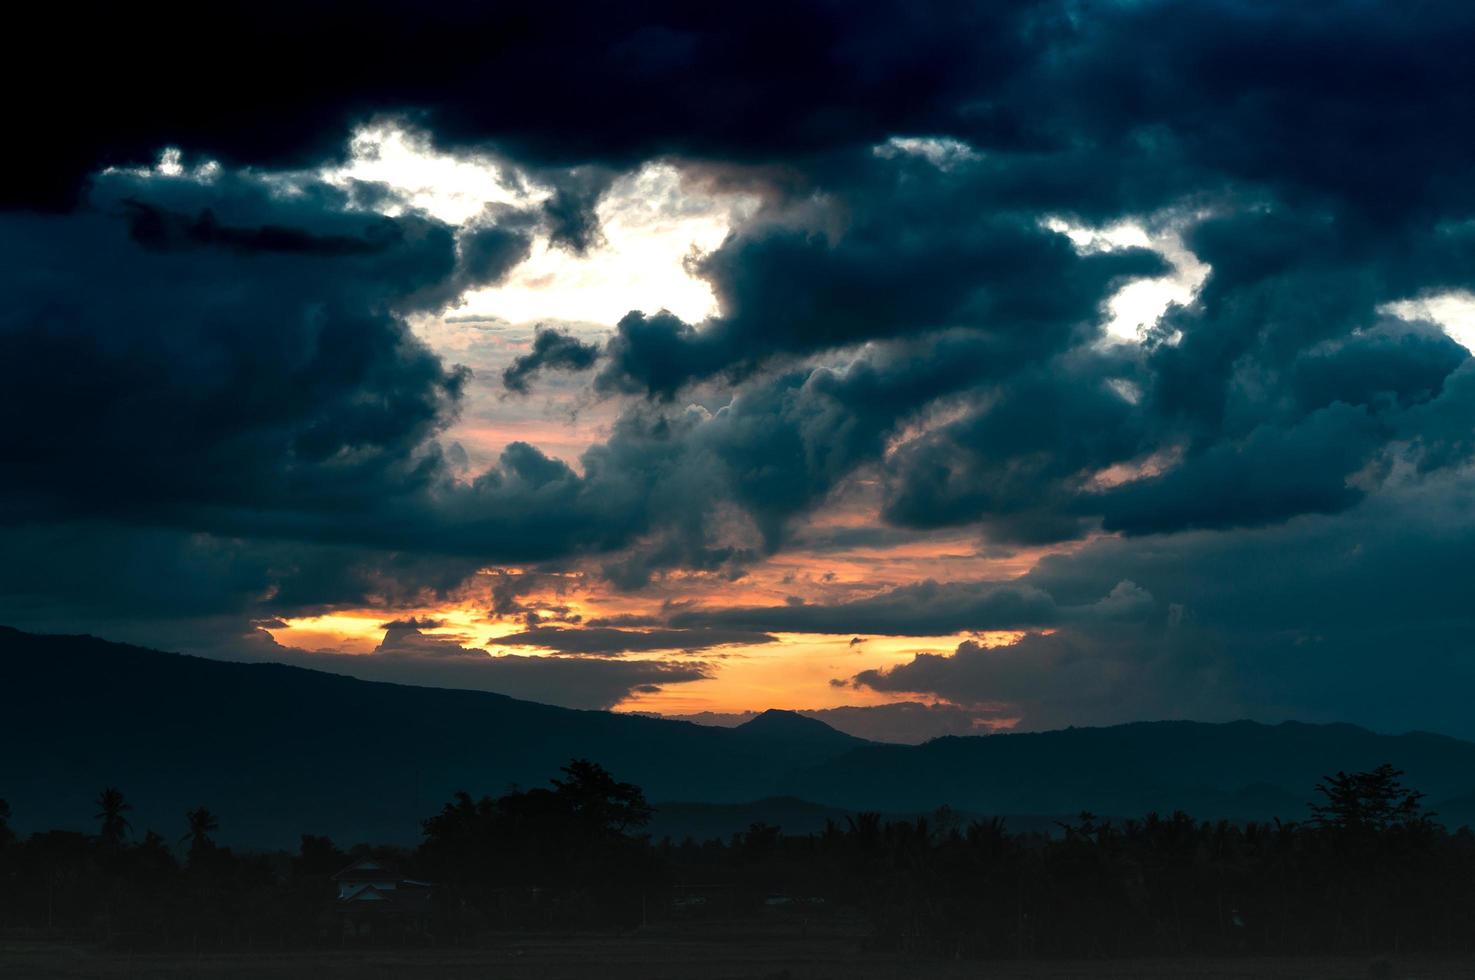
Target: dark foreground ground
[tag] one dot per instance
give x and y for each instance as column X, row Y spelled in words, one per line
column 672, row 958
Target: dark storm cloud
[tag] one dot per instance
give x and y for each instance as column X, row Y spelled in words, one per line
column 614, row 83
column 571, row 682
column 570, row 211
column 1279, row 392
column 1018, row 459
column 1337, row 103
column 263, row 364
column 931, row 609
column 259, row 378
column 776, row 450
column 408, row 656
column 902, row 264
column 610, row 641
column 491, row 247
column 219, row 393
column 1272, row 474
column 1362, row 614
column 98, row 574
column 1292, row 90
column 924, row 609
column 855, row 244
column 553, row 350
column 1106, row 676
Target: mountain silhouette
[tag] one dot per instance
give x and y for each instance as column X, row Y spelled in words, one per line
column 278, row 751
column 1241, row 770
column 791, row 728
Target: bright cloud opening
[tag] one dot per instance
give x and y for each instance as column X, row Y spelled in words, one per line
column 453, row 188
column 1138, row 306
column 652, row 224
column 1453, row 312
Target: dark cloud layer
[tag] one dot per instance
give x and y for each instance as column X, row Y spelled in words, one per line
column 212, row 383
column 631, row 81
column 903, row 264
column 408, row 656
column 233, row 347
column 605, row 640
column 1363, row 614
column 925, row 609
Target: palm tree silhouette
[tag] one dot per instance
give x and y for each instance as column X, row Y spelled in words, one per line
column 110, row 809
column 202, row 824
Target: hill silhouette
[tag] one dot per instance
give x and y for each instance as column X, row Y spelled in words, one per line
column 277, row 751
column 792, row 727
column 1241, row 770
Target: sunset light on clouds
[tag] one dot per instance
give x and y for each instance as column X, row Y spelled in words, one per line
column 652, row 221
column 956, row 361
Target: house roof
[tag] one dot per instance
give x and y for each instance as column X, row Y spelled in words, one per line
column 396, row 900
column 366, row 871
column 367, row 893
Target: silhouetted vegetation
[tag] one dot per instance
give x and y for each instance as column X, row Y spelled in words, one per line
column 1369, row 873
column 110, row 809
column 561, row 856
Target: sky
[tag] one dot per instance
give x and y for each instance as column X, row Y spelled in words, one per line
column 934, row 368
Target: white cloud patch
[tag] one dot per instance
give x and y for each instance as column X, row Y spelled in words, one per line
column 1453, row 312
column 652, row 223
column 453, row 188
column 1137, row 306
column 942, row 152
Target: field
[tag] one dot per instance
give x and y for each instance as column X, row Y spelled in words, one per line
column 667, row 958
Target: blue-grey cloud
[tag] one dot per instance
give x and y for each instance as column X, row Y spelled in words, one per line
column 213, row 382
column 553, row 350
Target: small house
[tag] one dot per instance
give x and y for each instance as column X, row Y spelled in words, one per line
column 374, row 900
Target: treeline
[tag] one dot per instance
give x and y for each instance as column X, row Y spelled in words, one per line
column 1369, row 873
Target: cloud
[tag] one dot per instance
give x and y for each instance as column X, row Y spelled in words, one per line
column 221, row 413
column 604, row 640
column 238, row 352
column 1102, row 675
column 999, row 313
column 932, row 608
column 412, row 623
column 924, row 609
column 552, row 350
column 409, row 656
column 632, row 83
column 901, row 264
column 1360, row 614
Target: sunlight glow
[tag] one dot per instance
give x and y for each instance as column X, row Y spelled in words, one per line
column 1137, row 307
column 652, row 224
column 454, row 189
column 1453, row 312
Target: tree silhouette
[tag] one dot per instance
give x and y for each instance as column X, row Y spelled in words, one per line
column 318, row 856
column 6, row 834
column 597, row 799
column 110, row 809
column 1368, row 802
column 202, row 824
column 1372, row 875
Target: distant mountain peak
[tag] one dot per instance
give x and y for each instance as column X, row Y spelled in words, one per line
column 791, row 724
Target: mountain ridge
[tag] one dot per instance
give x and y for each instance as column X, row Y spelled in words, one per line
column 279, row 750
